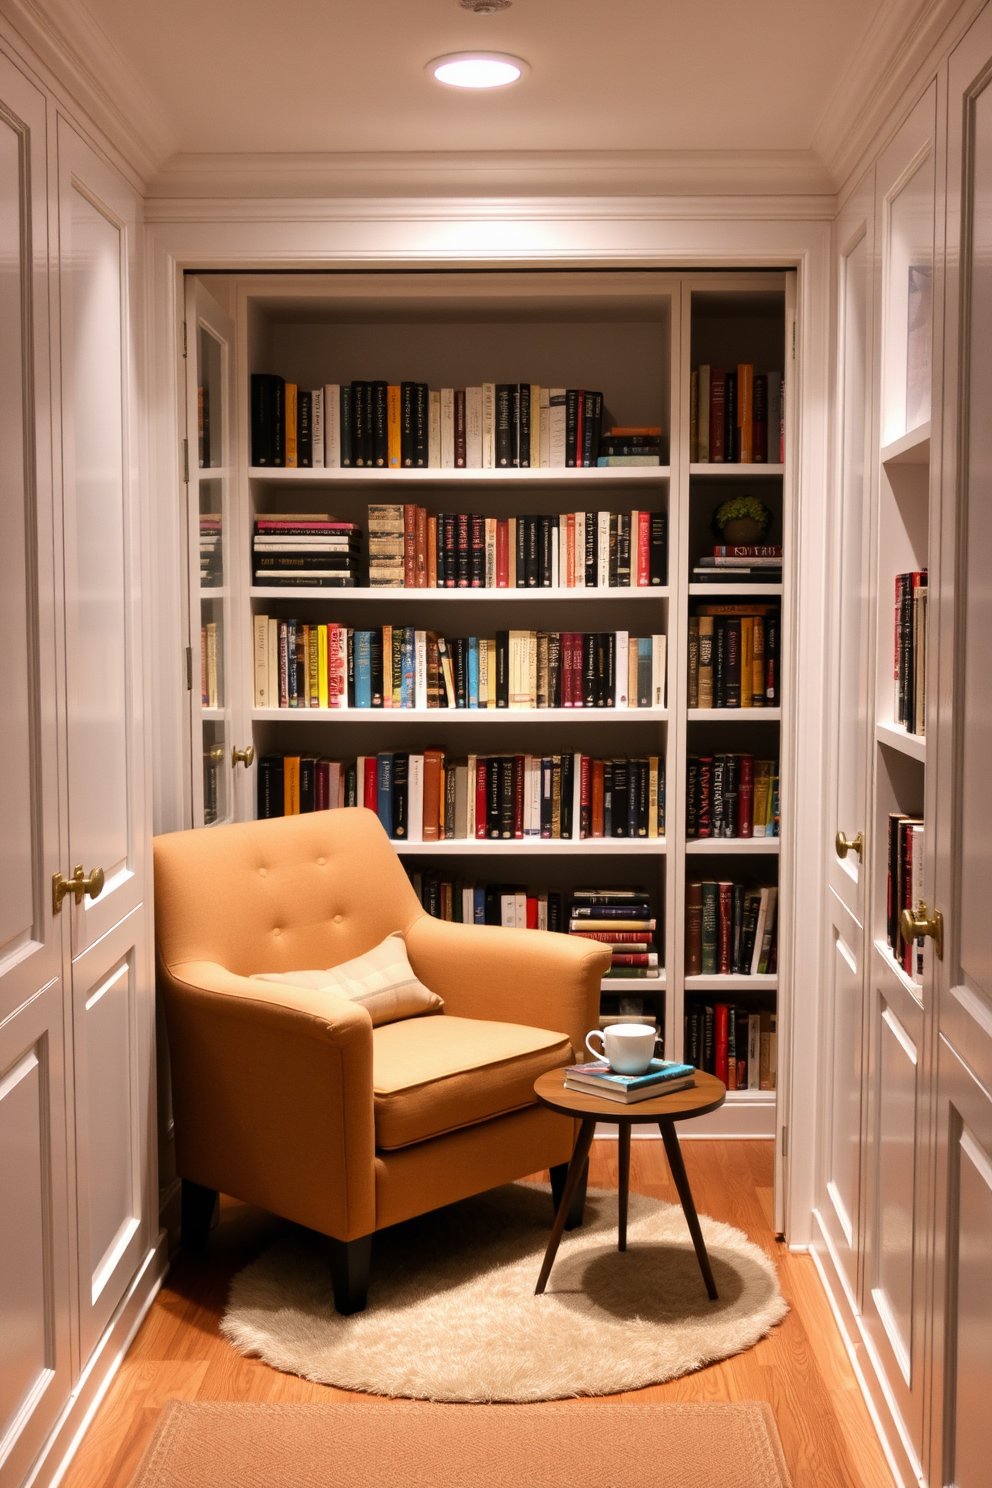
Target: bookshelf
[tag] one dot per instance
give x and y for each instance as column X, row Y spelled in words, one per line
column 637, row 336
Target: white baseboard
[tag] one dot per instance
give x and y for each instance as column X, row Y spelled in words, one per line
column 65, row 1437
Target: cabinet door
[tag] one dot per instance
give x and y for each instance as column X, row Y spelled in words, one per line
column 35, row 1373
column 961, row 708
column 107, row 827
column 839, row 1199
column 897, row 1150
column 221, row 727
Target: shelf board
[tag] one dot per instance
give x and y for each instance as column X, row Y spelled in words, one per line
column 613, row 475
column 734, row 715
column 730, row 983
column 896, row 737
column 712, row 590
column 703, row 846
column 474, row 847
column 884, row 953
column 218, row 591
column 459, row 715
column 761, row 1097
column 910, row 449
column 634, row 984
column 213, row 714
column 730, row 470
column 460, row 596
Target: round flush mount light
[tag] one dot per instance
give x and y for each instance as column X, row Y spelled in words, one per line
column 477, row 69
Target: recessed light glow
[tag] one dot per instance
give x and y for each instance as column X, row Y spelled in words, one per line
column 477, row 69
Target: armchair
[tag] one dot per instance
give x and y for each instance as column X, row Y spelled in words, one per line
column 289, row 1098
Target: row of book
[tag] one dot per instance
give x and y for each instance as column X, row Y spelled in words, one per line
column 733, row 652
column 736, row 417
column 211, row 551
column 378, row 425
column 623, row 919
column 305, row 548
column 904, row 889
column 730, row 929
column 434, row 797
column 731, row 796
column 740, row 563
column 302, row 665
column 411, row 548
column 737, row 1044
column 910, row 699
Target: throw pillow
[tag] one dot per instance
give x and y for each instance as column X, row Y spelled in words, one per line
column 382, row 981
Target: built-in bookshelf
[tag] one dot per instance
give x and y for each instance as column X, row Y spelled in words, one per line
column 637, row 337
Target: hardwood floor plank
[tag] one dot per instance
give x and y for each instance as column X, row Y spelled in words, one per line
column 801, row 1369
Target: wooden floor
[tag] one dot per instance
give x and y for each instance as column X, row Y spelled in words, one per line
column 802, row 1370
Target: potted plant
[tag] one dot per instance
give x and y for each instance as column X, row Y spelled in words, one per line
column 741, row 520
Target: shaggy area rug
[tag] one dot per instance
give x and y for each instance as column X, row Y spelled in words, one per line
column 452, row 1314
column 200, row 1444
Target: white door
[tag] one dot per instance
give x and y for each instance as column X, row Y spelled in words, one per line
column 962, row 1433
column 841, row 1123
column 35, row 1365
column 107, row 830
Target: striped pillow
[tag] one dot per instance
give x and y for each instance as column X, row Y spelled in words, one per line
column 382, row 981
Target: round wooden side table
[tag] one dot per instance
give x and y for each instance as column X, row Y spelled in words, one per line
column 706, row 1095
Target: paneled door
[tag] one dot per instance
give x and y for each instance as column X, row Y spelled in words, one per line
column 841, row 1125
column 962, row 1434
column 106, row 827
column 35, row 1361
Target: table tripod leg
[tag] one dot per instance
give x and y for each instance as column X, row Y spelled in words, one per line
column 624, row 1184
column 674, row 1154
column 575, row 1171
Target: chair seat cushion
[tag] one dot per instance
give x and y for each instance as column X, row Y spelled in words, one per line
column 434, row 1075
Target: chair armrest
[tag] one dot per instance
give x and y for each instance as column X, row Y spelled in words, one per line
column 272, row 1095
column 542, row 980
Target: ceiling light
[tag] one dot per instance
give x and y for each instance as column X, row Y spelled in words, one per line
column 477, row 69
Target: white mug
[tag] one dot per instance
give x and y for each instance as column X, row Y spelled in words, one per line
column 628, row 1048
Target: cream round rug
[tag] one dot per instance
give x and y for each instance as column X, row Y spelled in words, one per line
column 452, row 1314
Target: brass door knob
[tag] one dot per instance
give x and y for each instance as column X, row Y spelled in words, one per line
column 244, row 755
column 844, row 845
column 919, row 921
column 79, row 885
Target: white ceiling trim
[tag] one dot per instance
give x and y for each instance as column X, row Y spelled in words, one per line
column 496, row 173
column 67, row 39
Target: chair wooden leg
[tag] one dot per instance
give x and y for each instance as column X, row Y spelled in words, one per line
column 576, row 1210
column 197, row 1213
column 350, row 1265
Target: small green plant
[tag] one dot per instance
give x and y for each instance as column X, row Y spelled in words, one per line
column 740, row 507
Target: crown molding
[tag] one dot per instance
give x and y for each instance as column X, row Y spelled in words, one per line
column 467, row 173
column 904, row 40
column 66, row 39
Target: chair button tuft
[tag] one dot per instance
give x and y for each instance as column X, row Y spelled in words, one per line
column 261, row 872
column 338, row 919
column 277, row 932
column 321, row 862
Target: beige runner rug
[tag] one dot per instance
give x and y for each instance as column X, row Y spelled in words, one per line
column 403, row 1444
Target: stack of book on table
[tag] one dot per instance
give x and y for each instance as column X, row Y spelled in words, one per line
column 661, row 1077
column 623, row 920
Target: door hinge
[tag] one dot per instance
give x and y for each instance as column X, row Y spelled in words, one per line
column 785, row 1141
column 184, row 338
column 185, row 462
column 793, row 340
column 189, row 668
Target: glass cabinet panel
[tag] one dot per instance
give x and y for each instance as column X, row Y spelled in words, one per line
column 909, row 303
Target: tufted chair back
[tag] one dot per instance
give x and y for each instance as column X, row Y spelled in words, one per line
column 289, row 894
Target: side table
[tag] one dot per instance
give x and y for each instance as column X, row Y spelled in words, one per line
column 706, row 1095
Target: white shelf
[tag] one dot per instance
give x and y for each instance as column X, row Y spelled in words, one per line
column 896, row 737
column 633, row 984
column 459, row 715
column 601, row 847
column 728, row 470
column 762, row 1097
column 211, row 472
column 213, row 714
column 884, row 952
column 731, row 983
column 703, row 846
column 910, row 449
column 604, row 476
column 734, row 715
column 737, row 590
column 305, row 591
column 218, row 591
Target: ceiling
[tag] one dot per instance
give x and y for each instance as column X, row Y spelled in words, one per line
column 773, row 85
